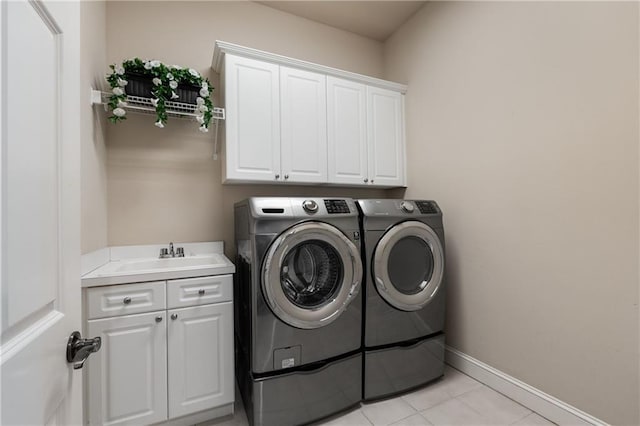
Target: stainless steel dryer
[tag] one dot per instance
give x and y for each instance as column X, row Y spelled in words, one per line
column 298, row 320
column 404, row 305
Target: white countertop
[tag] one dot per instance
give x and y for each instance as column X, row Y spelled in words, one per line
column 130, row 264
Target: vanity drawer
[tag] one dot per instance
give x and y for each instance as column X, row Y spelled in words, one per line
column 125, row 299
column 199, row 291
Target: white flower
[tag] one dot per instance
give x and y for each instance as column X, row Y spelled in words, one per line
column 176, row 67
column 174, row 95
column 122, row 82
column 170, row 76
column 159, row 124
column 204, row 92
column 200, row 119
column 118, row 91
column 155, row 64
column 173, row 84
column 194, row 72
column 199, row 101
column 119, row 112
column 157, row 81
column 203, row 129
column 203, row 108
column 147, row 65
column 205, row 85
column 154, row 102
column 122, row 104
column 119, row 70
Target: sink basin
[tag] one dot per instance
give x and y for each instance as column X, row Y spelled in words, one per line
column 168, row 263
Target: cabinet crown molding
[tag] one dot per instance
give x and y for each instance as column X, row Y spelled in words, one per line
column 222, row 47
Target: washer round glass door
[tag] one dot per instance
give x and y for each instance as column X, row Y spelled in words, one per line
column 408, row 265
column 310, row 274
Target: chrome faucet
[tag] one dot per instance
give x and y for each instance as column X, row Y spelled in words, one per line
column 165, row 253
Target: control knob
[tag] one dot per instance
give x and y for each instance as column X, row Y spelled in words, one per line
column 310, row 206
column 407, row 207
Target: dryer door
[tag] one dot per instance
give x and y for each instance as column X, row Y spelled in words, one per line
column 408, row 265
column 310, row 274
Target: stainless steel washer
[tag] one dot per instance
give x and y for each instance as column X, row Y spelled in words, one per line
column 404, row 295
column 298, row 308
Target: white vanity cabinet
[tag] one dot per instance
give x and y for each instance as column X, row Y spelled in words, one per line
column 173, row 360
column 291, row 121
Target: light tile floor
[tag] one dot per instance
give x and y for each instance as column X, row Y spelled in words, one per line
column 456, row 399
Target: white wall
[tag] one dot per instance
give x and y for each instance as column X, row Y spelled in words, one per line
column 93, row 45
column 523, row 124
column 163, row 184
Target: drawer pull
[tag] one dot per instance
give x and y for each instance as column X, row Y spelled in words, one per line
column 158, row 319
column 201, row 291
column 126, row 300
column 174, row 316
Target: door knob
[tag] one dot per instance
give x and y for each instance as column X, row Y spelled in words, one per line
column 79, row 349
column 174, row 316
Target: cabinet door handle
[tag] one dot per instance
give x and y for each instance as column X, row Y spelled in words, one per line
column 286, row 176
column 366, row 180
column 371, row 180
column 158, row 318
column 174, row 316
column 201, row 291
column 126, row 300
column 277, row 177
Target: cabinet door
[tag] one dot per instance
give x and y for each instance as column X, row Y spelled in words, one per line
column 127, row 383
column 252, row 91
column 385, row 132
column 200, row 358
column 347, row 131
column 303, row 99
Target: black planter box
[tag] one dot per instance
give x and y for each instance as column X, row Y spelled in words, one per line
column 141, row 85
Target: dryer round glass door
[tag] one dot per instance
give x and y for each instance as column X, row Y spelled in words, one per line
column 310, row 274
column 408, row 265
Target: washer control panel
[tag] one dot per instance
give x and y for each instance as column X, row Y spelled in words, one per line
column 336, row 206
column 310, row 206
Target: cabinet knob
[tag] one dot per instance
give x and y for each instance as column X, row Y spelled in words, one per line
column 158, row 319
column 366, row 180
column 286, row 176
column 174, row 316
column 126, row 300
column 277, row 177
column 371, row 180
column 201, row 291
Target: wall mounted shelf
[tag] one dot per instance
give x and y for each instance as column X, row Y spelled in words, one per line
column 141, row 105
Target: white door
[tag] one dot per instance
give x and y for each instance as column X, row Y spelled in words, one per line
column 129, row 374
column 347, row 131
column 252, row 93
column 40, row 211
column 303, row 104
column 200, row 358
column 385, row 131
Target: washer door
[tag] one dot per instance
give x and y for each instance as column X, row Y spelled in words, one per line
column 310, row 275
column 408, row 265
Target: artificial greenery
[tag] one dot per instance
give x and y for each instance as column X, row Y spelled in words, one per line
column 165, row 81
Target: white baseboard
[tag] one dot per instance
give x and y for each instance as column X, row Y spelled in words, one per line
column 544, row 404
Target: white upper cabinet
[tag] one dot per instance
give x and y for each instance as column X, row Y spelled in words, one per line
column 252, row 102
column 385, row 130
column 347, row 131
column 291, row 121
column 303, row 108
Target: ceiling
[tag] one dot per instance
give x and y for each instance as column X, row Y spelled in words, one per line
column 373, row 19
